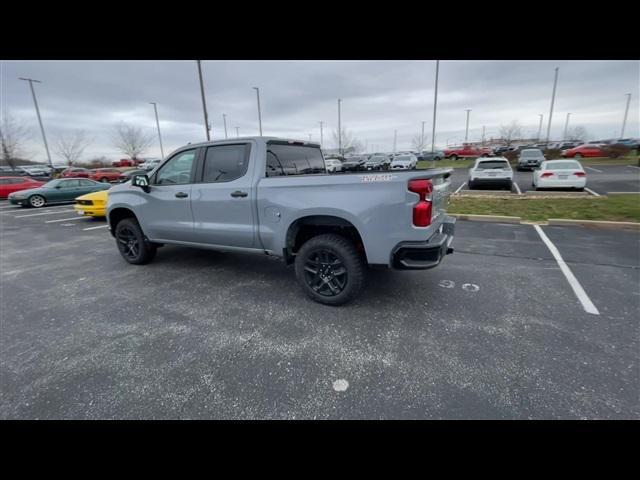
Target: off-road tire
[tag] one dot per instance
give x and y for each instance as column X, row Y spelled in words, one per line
column 132, row 244
column 337, row 247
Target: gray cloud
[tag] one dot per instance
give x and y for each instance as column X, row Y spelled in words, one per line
column 378, row 97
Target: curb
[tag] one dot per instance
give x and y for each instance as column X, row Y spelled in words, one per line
column 622, row 193
column 594, row 223
column 486, row 218
column 551, row 221
column 541, row 193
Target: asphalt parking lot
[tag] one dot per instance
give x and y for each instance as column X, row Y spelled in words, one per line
column 601, row 179
column 497, row 331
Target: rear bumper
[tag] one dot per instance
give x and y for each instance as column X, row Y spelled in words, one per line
column 427, row 254
column 491, row 181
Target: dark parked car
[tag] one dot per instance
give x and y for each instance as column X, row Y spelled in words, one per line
column 435, row 155
column 59, row 190
column 355, row 163
column 530, row 159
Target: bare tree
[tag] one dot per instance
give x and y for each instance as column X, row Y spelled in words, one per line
column 13, row 136
column 71, row 146
column 577, row 133
column 130, row 140
column 511, row 132
column 350, row 143
column 418, row 143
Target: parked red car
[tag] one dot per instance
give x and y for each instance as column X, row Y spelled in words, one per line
column 76, row 172
column 586, row 150
column 127, row 162
column 14, row 184
column 105, row 174
column 467, row 150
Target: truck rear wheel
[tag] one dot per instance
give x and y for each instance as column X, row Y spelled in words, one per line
column 453, row 157
column 330, row 269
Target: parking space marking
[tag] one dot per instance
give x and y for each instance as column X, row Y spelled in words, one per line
column 93, row 228
column 517, row 188
column 633, row 166
column 592, row 192
column 16, row 207
column 594, row 169
column 460, row 187
column 44, row 213
column 586, row 302
column 61, row 220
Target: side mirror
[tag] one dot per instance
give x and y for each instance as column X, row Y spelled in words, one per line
column 141, row 181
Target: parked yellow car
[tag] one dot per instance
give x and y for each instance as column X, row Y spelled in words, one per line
column 92, row 204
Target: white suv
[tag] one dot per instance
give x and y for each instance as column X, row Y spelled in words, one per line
column 494, row 171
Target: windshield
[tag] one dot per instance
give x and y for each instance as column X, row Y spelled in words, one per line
column 531, row 153
column 377, row 159
column 403, row 158
column 492, row 164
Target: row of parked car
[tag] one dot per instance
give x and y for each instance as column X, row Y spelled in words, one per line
column 375, row 161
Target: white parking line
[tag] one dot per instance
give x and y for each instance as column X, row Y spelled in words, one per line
column 22, row 209
column 93, row 228
column 633, row 166
column 44, row 213
column 587, row 304
column 460, row 187
column 592, row 192
column 517, row 188
column 594, row 169
column 62, row 220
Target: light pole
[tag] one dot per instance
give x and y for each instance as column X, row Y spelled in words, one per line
column 237, row 132
column 155, row 109
column 204, row 102
column 422, row 138
column 540, row 126
column 395, row 138
column 435, row 104
column 566, row 126
column 553, row 99
column 321, row 139
column 626, row 111
column 259, row 112
column 35, row 102
column 224, row 120
column 309, row 137
column 339, row 129
column 483, row 135
column 466, row 131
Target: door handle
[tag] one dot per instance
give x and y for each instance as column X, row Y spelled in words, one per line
column 238, row 193
column 181, row 195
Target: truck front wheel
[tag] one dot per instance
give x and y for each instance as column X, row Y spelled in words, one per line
column 132, row 244
column 330, row 269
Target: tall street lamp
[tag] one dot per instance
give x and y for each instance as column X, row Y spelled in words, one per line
column 155, row 109
column 224, row 120
column 466, row 132
column 339, row 129
column 553, row 99
column 435, row 104
column 626, row 111
column 35, row 102
column 204, row 102
column 259, row 112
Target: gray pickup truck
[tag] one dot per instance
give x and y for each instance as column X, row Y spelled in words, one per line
column 271, row 196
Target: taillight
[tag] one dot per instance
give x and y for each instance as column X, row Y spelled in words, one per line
column 546, row 174
column 422, row 209
column 580, row 174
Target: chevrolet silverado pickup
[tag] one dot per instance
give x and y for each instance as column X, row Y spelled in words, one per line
column 271, row 196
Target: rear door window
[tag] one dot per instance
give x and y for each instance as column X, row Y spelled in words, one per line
column 224, row 163
column 563, row 166
column 285, row 159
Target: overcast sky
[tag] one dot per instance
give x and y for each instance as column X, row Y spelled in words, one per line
column 377, row 97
